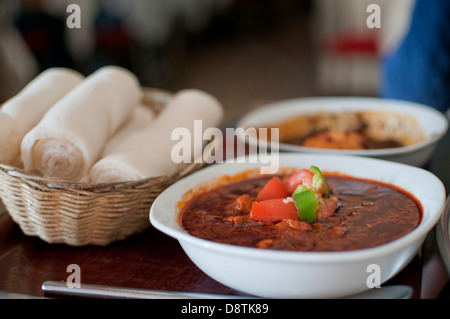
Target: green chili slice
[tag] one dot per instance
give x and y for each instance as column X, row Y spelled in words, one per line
column 306, row 203
column 319, row 181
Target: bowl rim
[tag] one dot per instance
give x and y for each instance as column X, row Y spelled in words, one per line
column 426, row 225
column 300, row 104
column 443, row 236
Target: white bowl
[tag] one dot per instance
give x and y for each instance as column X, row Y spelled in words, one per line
column 443, row 236
column 433, row 122
column 283, row 274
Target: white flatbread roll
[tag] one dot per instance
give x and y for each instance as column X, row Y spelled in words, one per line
column 147, row 153
column 140, row 119
column 72, row 134
column 23, row 111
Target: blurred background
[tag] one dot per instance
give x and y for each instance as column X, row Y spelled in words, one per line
column 245, row 52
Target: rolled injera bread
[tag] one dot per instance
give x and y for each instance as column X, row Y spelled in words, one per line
column 23, row 111
column 140, row 119
column 72, row 134
column 147, row 153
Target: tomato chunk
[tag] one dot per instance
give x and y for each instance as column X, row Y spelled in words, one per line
column 327, row 207
column 301, row 177
column 274, row 210
column 273, row 189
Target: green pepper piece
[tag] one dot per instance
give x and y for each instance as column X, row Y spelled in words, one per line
column 300, row 188
column 306, row 203
column 319, row 181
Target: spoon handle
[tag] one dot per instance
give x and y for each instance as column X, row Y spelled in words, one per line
column 101, row 291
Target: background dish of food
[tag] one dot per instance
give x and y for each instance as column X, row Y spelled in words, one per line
column 278, row 274
column 433, row 123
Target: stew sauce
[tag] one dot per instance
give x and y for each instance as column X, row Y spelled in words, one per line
column 369, row 214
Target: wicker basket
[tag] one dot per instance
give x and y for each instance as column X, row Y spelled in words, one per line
column 80, row 214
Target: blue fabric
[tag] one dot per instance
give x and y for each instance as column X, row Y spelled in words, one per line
column 419, row 69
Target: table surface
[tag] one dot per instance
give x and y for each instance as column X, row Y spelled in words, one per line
column 148, row 260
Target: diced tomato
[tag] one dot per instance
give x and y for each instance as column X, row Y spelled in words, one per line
column 327, row 207
column 273, row 189
column 273, row 210
column 301, row 177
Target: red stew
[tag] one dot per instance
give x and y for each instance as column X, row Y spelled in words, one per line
column 369, row 214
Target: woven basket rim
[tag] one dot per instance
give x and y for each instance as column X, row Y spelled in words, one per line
column 55, row 183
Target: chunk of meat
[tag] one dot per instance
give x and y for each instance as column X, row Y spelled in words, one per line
column 336, row 139
column 243, row 204
column 294, row 224
column 269, row 243
column 239, row 220
column 337, row 231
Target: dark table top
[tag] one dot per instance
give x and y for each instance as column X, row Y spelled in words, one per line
column 148, row 260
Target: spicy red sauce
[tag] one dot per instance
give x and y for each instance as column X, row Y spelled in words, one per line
column 369, row 214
